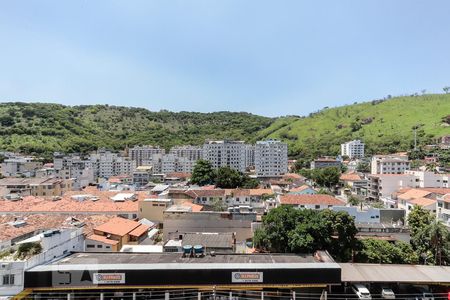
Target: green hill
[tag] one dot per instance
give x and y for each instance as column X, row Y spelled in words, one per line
column 43, row 128
column 384, row 125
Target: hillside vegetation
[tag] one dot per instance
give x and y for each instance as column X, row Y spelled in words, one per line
column 384, row 125
column 44, row 128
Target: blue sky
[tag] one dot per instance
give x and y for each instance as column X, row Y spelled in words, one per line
column 266, row 57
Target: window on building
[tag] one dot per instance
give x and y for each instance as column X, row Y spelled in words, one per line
column 99, row 246
column 8, row 279
column 90, row 246
column 317, row 207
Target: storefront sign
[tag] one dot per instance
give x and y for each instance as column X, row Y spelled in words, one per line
column 247, row 277
column 108, row 278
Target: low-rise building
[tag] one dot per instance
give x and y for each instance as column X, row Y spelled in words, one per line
column 219, row 242
column 25, row 166
column 319, row 201
column 183, row 219
column 112, row 235
column 153, row 209
column 46, row 246
column 39, row 187
column 443, row 209
column 325, row 163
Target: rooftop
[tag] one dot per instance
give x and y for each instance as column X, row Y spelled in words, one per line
column 317, row 199
column 209, row 239
column 125, row 261
column 120, row 226
column 103, row 203
column 41, row 222
column 394, row 273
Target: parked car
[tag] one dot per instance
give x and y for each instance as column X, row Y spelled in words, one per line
column 387, row 293
column 425, row 296
column 361, row 291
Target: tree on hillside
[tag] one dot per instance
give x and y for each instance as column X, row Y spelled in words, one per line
column 446, row 89
column 203, row 173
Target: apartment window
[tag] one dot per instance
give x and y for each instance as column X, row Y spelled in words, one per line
column 8, row 279
column 90, row 246
column 99, row 246
column 317, row 207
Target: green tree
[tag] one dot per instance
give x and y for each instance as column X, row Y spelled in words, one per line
column 327, row 177
column 352, row 200
column 228, row 178
column 203, row 173
column 342, row 225
column 285, row 229
column 249, row 183
column 363, row 167
column 217, row 204
column 418, row 218
column 446, row 89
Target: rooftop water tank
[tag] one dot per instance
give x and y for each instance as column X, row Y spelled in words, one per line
column 198, row 249
column 187, row 249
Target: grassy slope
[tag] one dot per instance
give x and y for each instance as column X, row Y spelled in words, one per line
column 389, row 131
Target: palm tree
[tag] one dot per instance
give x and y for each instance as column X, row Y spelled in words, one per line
column 431, row 167
column 439, row 240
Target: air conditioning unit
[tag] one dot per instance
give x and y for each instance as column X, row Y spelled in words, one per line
column 5, row 266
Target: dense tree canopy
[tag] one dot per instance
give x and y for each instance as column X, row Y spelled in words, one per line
column 429, row 237
column 286, row 229
column 203, row 173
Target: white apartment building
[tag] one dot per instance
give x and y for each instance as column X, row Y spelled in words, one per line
column 250, row 155
column 107, row 164
column 271, row 158
column 353, row 149
column 226, row 153
column 142, row 154
column 389, row 164
column 443, row 209
column 430, row 179
column 189, row 152
column 383, row 185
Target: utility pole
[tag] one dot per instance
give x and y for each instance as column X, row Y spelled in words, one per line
column 415, row 138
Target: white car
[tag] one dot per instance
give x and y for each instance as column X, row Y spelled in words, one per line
column 387, row 293
column 361, row 291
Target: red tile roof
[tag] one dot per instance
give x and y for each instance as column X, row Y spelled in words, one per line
column 195, row 207
column 422, row 201
column 119, row 226
column 102, row 239
column 317, row 199
column 140, row 230
column 300, row 188
column 68, row 205
column 350, row 177
column 36, row 222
